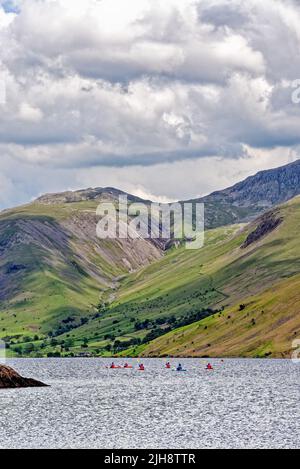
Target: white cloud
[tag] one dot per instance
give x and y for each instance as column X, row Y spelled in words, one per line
column 30, row 113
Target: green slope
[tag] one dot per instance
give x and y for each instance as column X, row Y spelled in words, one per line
column 54, row 270
column 262, row 317
column 187, row 285
column 264, row 325
column 64, row 291
column 167, row 289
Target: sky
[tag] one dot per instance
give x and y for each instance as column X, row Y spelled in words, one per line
column 166, row 100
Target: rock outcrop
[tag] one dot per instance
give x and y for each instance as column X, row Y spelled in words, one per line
column 266, row 224
column 265, row 189
column 250, row 198
column 9, row 378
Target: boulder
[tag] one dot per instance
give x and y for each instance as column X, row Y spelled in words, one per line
column 9, row 378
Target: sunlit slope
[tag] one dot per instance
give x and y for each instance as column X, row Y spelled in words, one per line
column 176, row 286
column 262, row 283
column 119, row 297
column 236, row 263
column 266, row 327
column 225, row 268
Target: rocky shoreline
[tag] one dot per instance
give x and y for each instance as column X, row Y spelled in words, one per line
column 10, row 379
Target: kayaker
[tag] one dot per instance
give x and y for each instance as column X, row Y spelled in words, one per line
column 179, row 367
column 112, row 366
column 168, row 365
column 141, row 367
column 209, row 367
column 126, row 365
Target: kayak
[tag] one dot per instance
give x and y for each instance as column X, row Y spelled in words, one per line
column 120, row 368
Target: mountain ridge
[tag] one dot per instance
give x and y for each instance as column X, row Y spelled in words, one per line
column 276, row 175
column 268, row 175
column 249, row 198
column 241, row 202
column 60, row 284
column 81, row 195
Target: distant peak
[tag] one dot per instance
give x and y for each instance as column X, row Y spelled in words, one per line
column 98, row 193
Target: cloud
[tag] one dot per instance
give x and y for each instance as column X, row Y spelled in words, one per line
column 123, row 85
column 161, row 182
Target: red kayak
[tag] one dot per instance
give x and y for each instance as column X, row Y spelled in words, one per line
column 119, row 367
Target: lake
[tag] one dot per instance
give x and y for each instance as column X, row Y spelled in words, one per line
column 242, row 404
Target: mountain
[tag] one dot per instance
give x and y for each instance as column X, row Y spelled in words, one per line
column 65, row 291
column 99, row 194
column 242, row 202
column 251, row 197
column 53, row 267
column 238, row 296
column 255, row 277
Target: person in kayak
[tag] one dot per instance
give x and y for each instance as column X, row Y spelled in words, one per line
column 168, row 365
column 141, row 367
column 179, row 367
column 209, row 367
column 112, row 366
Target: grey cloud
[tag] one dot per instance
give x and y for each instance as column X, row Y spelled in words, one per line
column 160, row 83
column 224, row 14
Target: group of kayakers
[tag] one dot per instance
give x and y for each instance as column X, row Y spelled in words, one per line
column 113, row 366
column 141, row 367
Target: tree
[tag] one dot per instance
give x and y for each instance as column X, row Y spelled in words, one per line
column 69, row 343
column 85, row 343
column 18, row 350
column 29, row 348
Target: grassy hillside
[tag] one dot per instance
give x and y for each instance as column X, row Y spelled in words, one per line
column 246, row 275
column 54, row 270
column 64, row 291
column 155, row 297
column 262, row 317
column 265, row 325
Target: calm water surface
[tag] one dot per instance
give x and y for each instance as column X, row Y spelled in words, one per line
column 242, row 404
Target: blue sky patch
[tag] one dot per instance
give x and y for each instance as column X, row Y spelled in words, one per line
column 9, row 6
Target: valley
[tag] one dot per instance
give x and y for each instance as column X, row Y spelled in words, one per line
column 65, row 292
